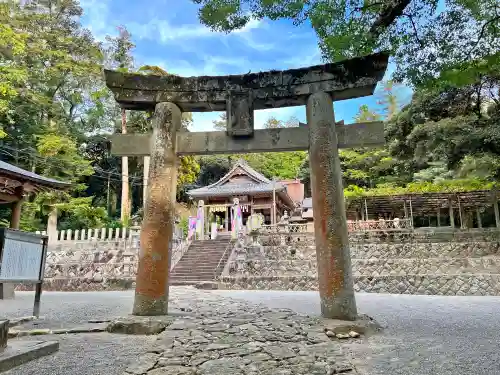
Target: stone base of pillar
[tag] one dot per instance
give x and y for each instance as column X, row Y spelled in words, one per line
column 4, row 333
column 7, row 291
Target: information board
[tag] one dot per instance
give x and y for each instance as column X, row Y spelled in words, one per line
column 22, row 256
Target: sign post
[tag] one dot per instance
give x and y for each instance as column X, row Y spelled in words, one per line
column 22, row 260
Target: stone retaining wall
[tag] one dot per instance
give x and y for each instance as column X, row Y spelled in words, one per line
column 460, row 285
column 460, row 263
column 446, row 264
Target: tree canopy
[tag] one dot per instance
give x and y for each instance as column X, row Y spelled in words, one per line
column 56, row 114
column 455, row 41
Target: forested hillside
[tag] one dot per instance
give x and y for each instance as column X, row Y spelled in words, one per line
column 56, row 116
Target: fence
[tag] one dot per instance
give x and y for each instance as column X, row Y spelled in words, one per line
column 90, row 256
column 101, row 234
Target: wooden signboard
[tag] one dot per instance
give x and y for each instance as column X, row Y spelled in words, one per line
column 22, row 260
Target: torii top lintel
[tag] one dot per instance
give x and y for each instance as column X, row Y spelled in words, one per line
column 240, row 95
column 345, row 80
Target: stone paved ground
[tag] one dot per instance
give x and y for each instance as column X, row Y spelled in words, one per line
column 215, row 336
column 424, row 335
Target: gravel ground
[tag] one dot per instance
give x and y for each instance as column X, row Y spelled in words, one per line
column 424, row 334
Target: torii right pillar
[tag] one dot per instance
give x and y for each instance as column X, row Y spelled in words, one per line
column 336, row 286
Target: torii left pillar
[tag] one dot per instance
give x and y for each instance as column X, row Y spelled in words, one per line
column 152, row 289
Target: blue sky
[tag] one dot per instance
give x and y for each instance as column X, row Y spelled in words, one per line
column 167, row 33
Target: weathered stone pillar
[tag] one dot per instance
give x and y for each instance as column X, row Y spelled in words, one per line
column 151, row 293
column 330, row 226
column 438, row 213
column 52, row 226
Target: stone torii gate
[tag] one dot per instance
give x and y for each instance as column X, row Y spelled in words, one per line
column 239, row 95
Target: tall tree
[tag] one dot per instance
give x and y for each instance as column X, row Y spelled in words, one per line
column 120, row 53
column 273, row 123
column 365, row 114
column 12, row 49
column 389, row 99
column 221, row 123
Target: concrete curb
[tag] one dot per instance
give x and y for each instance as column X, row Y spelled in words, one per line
column 20, row 352
column 25, row 319
column 13, row 333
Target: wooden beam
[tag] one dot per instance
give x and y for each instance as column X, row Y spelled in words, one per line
column 369, row 134
column 9, row 197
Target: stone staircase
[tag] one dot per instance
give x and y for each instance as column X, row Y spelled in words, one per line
column 200, row 261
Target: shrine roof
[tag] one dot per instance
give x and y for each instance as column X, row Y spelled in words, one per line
column 423, row 202
column 235, row 189
column 22, row 174
column 225, row 187
column 273, row 89
column 12, row 178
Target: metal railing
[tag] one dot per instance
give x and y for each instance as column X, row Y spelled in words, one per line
column 217, row 268
column 178, row 252
column 379, row 225
column 282, row 228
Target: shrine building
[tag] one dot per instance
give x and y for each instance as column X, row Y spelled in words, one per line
column 255, row 192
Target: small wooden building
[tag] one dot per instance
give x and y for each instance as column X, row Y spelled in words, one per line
column 256, row 194
column 15, row 185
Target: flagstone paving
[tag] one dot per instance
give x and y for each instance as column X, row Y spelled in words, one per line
column 423, row 335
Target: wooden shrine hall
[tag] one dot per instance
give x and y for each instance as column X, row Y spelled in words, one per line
column 256, row 194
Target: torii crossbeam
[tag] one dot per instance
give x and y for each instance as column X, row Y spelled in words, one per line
column 239, row 95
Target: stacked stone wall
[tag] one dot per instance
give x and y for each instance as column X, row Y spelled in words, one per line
column 90, row 266
column 444, row 264
column 463, row 263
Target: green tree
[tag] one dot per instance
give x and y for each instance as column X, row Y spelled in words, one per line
column 12, row 49
column 365, row 114
column 273, row 123
column 221, row 123
column 456, row 43
column 452, row 130
column 389, row 99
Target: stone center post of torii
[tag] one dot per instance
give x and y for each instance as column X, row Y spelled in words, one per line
column 239, row 95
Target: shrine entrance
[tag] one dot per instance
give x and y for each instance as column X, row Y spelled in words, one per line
column 316, row 87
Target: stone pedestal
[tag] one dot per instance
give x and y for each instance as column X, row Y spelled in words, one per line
column 7, row 291
column 4, row 332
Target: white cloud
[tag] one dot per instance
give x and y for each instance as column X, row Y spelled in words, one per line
column 165, row 32
column 304, row 58
column 203, row 122
column 96, row 18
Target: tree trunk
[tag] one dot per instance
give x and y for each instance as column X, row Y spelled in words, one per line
column 125, row 209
